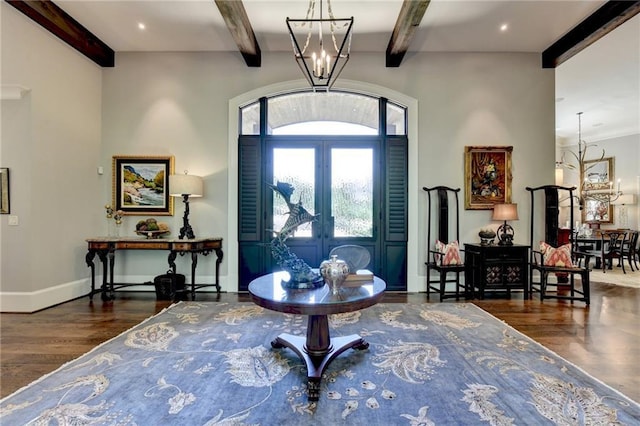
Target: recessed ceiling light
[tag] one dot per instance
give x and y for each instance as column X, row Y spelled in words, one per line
column 141, row 26
column 504, row 27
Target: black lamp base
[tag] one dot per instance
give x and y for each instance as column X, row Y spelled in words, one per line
column 505, row 234
column 186, row 229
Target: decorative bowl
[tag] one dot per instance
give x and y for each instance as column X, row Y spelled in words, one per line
column 152, row 234
column 486, row 237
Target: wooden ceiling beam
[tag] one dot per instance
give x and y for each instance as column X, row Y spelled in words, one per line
column 237, row 21
column 60, row 23
column 408, row 21
column 600, row 23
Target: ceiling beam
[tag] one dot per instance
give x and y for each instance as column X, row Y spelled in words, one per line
column 409, row 18
column 604, row 20
column 61, row 24
column 235, row 16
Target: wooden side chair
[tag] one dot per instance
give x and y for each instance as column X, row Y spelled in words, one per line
column 444, row 254
column 630, row 249
column 547, row 258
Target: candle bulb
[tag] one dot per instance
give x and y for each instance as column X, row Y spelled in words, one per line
column 313, row 59
column 619, row 184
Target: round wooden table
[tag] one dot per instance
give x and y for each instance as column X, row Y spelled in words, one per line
column 318, row 349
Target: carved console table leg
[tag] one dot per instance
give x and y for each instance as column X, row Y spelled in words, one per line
column 111, row 255
column 194, row 265
column 172, row 260
column 89, row 259
column 102, row 255
column 219, row 256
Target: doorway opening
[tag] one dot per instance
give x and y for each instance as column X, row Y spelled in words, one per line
column 346, row 155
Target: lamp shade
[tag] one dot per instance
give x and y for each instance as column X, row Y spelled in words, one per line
column 505, row 212
column 185, row 184
column 559, row 176
column 626, row 200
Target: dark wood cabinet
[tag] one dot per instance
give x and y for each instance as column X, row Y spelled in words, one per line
column 495, row 267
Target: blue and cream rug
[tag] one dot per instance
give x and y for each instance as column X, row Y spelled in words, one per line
column 212, row 364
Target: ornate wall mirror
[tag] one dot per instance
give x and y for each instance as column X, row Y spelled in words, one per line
column 597, row 180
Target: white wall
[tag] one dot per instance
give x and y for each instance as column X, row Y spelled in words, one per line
column 174, row 103
column 50, row 141
column 178, row 103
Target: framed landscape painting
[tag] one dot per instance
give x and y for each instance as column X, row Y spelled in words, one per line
column 487, row 176
column 141, row 184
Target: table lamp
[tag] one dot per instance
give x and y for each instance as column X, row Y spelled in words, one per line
column 505, row 212
column 185, row 186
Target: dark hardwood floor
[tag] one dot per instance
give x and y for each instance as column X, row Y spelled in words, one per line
column 604, row 339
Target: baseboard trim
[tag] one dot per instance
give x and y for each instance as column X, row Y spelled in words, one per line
column 28, row 302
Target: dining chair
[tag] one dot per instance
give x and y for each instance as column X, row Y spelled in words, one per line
column 611, row 247
column 630, row 249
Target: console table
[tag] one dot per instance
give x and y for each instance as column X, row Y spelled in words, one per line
column 106, row 247
column 496, row 267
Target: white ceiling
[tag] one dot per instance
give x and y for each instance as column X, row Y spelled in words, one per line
column 603, row 81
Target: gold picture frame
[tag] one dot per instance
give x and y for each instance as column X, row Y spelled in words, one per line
column 597, row 176
column 140, row 184
column 487, row 172
column 4, row 191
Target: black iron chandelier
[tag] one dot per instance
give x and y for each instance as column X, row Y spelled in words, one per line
column 320, row 60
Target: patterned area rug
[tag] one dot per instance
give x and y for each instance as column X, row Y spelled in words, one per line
column 212, row 364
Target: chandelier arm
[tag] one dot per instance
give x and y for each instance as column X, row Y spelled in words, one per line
column 322, row 63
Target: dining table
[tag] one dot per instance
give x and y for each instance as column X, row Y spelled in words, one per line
column 590, row 242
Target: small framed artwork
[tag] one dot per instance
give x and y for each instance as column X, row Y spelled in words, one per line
column 487, row 176
column 4, row 190
column 141, row 184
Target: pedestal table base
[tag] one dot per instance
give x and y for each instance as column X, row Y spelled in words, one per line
column 317, row 364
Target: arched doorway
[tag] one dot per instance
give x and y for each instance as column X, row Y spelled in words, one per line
column 392, row 252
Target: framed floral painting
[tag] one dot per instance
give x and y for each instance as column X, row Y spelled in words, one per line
column 141, row 184
column 487, row 176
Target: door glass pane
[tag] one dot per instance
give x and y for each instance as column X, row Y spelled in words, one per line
column 250, row 119
column 295, row 166
column 352, row 192
column 396, row 119
column 361, row 111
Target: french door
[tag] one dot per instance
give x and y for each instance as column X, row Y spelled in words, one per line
column 353, row 181
column 335, row 179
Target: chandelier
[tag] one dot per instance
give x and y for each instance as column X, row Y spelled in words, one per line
column 601, row 191
column 323, row 55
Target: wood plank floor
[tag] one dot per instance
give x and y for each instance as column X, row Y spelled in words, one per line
column 604, row 339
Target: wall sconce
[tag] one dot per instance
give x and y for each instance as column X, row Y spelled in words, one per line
column 186, row 186
column 505, row 212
